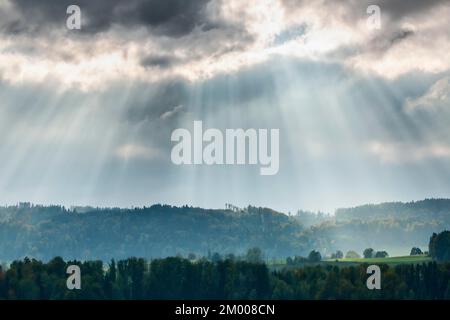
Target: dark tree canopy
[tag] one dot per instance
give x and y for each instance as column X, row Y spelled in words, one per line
column 415, row 251
column 178, row 278
column 381, row 254
column 314, row 256
column 368, row 253
column 439, row 246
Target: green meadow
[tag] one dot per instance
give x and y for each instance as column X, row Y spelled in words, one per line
column 390, row 260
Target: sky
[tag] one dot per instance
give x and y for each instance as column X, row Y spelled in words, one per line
column 86, row 115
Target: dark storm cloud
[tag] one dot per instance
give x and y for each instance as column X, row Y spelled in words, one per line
column 395, row 9
column 400, row 8
column 161, row 61
column 173, row 18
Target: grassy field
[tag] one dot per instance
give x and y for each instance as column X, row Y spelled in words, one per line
column 281, row 264
column 390, row 260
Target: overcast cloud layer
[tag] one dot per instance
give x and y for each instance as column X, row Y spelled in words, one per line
column 86, row 115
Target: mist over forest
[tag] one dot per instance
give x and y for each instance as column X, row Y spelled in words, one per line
column 87, row 233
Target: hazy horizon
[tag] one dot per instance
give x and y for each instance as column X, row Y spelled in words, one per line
column 292, row 212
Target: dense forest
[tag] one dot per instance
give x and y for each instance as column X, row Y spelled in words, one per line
column 86, row 233
column 229, row 277
column 158, row 231
column 177, row 278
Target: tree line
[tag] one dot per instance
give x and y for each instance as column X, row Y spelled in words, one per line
column 179, row 278
column 229, row 277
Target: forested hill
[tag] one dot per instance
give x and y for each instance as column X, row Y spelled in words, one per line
column 424, row 209
column 86, row 233
column 393, row 226
column 156, row 231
